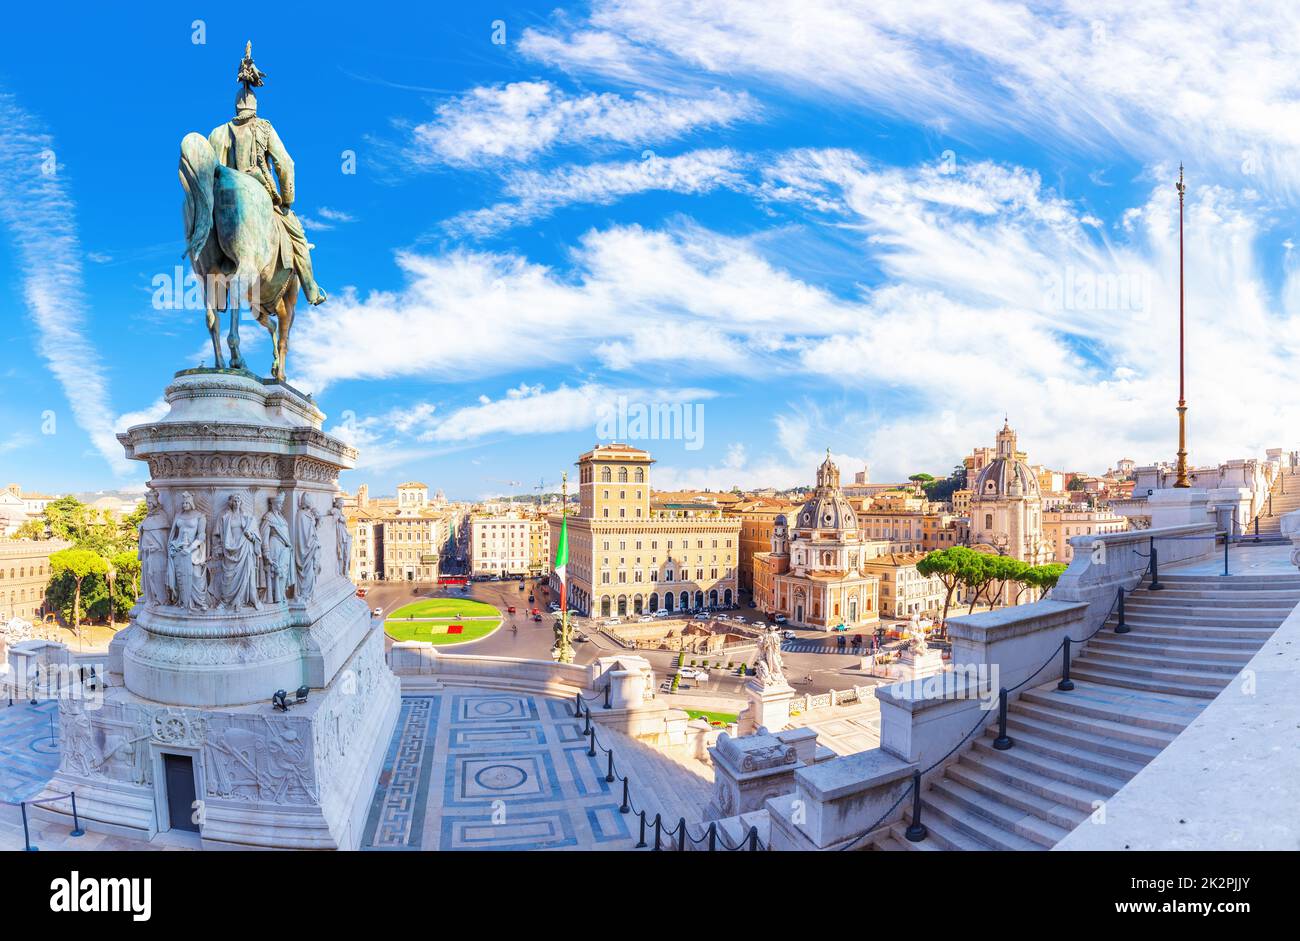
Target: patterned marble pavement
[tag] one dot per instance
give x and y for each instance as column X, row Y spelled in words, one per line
column 847, row 729
column 29, row 753
column 478, row 769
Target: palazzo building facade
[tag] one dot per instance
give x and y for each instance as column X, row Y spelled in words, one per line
column 628, row 558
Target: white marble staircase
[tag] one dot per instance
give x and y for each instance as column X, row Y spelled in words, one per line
column 1133, row 694
column 1285, row 495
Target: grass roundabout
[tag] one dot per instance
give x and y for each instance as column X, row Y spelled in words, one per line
column 433, row 621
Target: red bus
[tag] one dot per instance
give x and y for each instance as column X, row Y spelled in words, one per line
column 452, row 580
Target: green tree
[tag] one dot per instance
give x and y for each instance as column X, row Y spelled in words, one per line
column 944, row 564
column 33, row 528
column 77, row 565
column 1006, row 570
column 978, row 570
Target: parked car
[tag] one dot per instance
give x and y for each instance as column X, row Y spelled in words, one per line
column 553, row 606
column 511, row 609
column 781, row 619
column 724, row 617
column 531, row 598
column 691, row 673
column 521, row 586
column 703, row 616
column 537, row 618
column 613, row 621
column 645, row 619
column 788, row 635
column 378, row 612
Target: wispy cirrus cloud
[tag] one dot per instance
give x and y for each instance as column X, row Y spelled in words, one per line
column 40, row 216
column 1216, row 81
column 518, row 121
column 534, row 194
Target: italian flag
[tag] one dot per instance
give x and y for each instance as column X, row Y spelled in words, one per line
column 562, row 562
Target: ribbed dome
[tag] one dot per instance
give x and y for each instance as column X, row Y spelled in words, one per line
column 1006, row 477
column 827, row 508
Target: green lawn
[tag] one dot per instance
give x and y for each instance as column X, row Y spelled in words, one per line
column 435, row 632
column 726, row 718
column 444, row 608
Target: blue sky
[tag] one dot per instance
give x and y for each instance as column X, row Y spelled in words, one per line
column 870, row 227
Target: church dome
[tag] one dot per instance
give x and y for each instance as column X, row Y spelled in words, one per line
column 1006, row 475
column 827, row 508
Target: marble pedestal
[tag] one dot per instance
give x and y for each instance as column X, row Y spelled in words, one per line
column 1178, row 506
column 915, row 666
column 188, row 713
column 769, row 706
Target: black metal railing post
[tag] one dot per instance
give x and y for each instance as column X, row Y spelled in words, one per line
column 609, row 774
column 586, row 729
column 713, row 836
column 1155, row 568
column 753, row 839
column 1257, row 529
column 1003, row 741
column 27, row 839
column 640, row 840
column 591, row 752
column 626, row 808
column 1226, row 540
column 1066, row 683
column 659, row 831
column 1121, row 627
column 577, row 697
column 681, row 834
column 607, row 696
column 918, row 830
column 76, row 821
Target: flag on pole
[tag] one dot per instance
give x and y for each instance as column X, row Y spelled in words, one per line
column 562, row 562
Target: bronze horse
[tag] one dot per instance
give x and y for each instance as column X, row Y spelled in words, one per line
column 248, row 261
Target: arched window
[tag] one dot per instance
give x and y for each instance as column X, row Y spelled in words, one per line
column 640, row 475
column 622, row 475
column 605, row 476
column 988, row 520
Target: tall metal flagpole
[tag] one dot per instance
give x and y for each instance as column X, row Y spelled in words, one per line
column 1182, row 401
column 564, row 649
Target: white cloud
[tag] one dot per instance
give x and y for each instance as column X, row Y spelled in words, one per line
column 1217, row 82
column 535, row 194
column 40, row 215
column 517, row 121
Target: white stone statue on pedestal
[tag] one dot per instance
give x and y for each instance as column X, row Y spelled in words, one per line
column 308, row 550
column 153, row 552
column 342, row 538
column 187, row 545
column 240, row 556
column 769, row 669
column 277, row 553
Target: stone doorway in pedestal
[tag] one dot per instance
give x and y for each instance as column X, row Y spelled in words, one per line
column 178, row 772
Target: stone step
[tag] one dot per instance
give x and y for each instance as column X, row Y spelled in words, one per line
column 1017, row 800
column 1151, row 614
column 1105, row 678
column 1082, row 758
column 929, row 845
column 1191, row 631
column 1232, row 641
column 1160, row 713
column 1231, row 583
column 1050, row 767
column 941, row 808
column 1167, row 645
column 1246, row 604
column 1120, row 731
column 1244, row 598
column 1161, row 660
column 1005, row 815
column 1010, row 776
column 1020, row 722
column 1124, row 667
column 891, row 843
